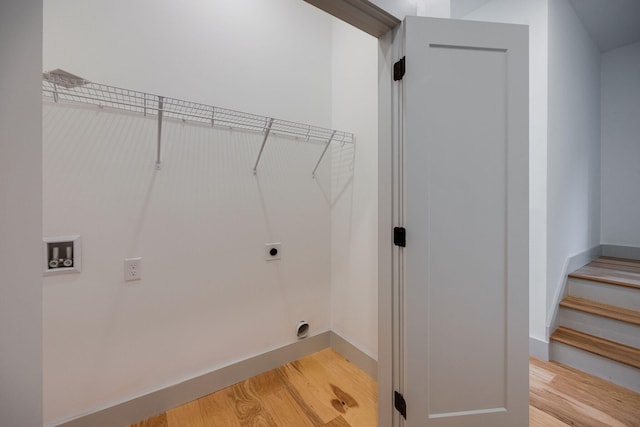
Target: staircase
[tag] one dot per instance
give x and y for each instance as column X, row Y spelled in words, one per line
column 599, row 321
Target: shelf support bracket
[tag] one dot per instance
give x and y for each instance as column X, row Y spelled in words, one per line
column 160, row 110
column 313, row 174
column 264, row 141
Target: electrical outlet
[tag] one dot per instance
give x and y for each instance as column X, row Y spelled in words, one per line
column 132, row 269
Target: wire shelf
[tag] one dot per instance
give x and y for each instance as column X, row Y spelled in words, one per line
column 60, row 85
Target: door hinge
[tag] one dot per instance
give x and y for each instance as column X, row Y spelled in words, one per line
column 398, row 70
column 400, row 236
column 400, row 404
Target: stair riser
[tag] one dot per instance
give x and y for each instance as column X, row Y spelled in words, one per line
column 593, row 364
column 619, row 296
column 602, row 327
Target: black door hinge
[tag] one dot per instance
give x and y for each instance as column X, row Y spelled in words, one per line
column 400, row 236
column 398, row 70
column 400, row 404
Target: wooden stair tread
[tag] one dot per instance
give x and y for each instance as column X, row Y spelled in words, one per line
column 619, row 267
column 631, row 264
column 604, row 310
column 613, row 271
column 600, row 346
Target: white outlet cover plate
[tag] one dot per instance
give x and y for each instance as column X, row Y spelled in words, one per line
column 132, row 269
column 267, row 251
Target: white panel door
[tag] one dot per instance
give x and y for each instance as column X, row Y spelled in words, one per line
column 464, row 175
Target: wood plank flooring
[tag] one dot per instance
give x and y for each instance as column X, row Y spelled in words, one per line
column 563, row 396
column 325, row 390
column 320, row 390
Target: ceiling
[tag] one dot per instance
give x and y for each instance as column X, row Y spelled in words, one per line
column 611, row 23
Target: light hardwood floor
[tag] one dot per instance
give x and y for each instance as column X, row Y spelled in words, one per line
column 563, row 396
column 322, row 389
column 325, row 390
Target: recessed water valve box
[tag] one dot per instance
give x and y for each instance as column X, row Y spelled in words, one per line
column 62, row 254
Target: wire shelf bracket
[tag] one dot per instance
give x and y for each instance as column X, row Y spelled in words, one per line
column 313, row 174
column 61, row 85
column 160, row 111
column 267, row 131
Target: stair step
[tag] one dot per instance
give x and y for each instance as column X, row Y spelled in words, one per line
column 603, row 327
column 612, row 271
column 607, row 369
column 604, row 310
column 600, row 346
column 619, row 296
column 623, row 264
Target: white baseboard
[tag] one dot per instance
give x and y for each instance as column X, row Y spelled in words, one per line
column 148, row 405
column 356, row 356
column 156, row 402
column 539, row 349
column 629, row 252
column 583, row 258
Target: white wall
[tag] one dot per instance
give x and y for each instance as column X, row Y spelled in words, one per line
column 573, row 142
column 354, row 220
column 226, row 53
column 397, row 8
column 461, row 8
column 21, row 213
column 534, row 14
column 434, row 8
column 620, row 130
column 207, row 297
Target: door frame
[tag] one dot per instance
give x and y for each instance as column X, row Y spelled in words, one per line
column 383, row 20
column 390, row 331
